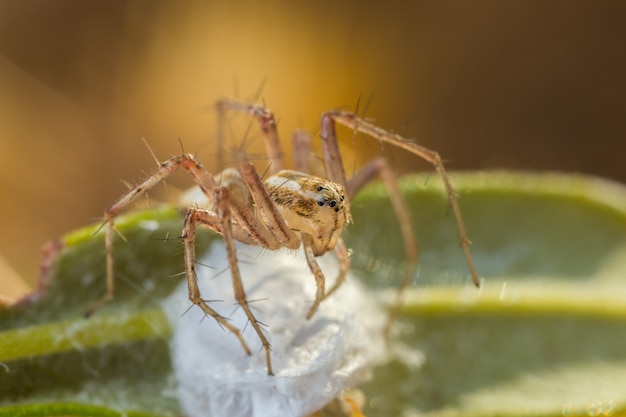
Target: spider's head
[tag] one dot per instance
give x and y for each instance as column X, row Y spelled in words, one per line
column 310, row 205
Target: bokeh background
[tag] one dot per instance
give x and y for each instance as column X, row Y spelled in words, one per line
column 528, row 84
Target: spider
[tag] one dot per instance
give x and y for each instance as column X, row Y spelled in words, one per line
column 289, row 209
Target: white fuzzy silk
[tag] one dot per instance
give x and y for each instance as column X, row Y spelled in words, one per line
column 313, row 360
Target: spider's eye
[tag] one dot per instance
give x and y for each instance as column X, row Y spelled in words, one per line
column 332, row 203
column 320, row 188
column 320, row 203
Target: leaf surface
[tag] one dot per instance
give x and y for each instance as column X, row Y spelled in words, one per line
column 543, row 335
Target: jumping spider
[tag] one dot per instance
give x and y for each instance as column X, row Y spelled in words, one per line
column 288, row 209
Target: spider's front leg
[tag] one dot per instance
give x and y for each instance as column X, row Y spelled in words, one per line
column 301, row 209
column 188, row 163
column 221, row 222
column 296, row 207
column 332, row 157
column 379, row 168
column 193, row 217
column 223, row 213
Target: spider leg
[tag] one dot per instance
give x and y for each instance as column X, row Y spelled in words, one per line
column 302, row 163
column 344, row 265
column 302, row 151
column 333, row 161
column 274, row 222
column 266, row 208
column 189, row 163
column 268, row 125
column 320, row 280
column 335, row 168
column 224, row 215
column 193, row 217
column 378, row 168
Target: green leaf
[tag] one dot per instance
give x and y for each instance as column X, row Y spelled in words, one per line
column 56, row 362
column 543, row 336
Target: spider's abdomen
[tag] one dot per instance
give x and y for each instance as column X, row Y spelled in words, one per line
column 311, row 205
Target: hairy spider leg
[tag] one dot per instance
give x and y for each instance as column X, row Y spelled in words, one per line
column 377, row 167
column 302, row 162
column 247, row 229
column 267, row 208
column 220, row 222
column 357, row 124
column 188, row 162
column 266, row 121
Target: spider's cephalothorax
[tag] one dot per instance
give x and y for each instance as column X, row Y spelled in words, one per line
column 310, row 205
column 290, row 209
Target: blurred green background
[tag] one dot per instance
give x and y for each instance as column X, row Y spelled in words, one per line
column 529, row 84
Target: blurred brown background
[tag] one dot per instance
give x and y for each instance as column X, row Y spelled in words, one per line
column 529, row 84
